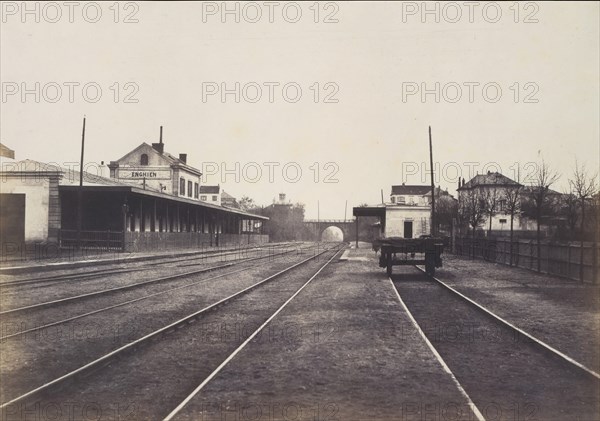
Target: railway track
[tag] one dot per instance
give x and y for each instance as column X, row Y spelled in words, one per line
column 138, row 284
column 506, row 372
column 55, row 303
column 180, row 339
column 205, row 256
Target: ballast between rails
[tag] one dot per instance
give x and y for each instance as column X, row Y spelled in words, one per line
column 166, row 329
column 101, row 272
column 138, row 284
column 179, row 407
column 556, row 353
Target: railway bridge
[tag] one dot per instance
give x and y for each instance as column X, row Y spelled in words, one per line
column 319, row 226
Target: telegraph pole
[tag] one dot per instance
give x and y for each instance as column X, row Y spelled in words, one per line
column 80, row 190
column 433, row 227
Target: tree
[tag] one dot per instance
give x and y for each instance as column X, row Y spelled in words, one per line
column 569, row 210
column 246, row 203
column 584, row 187
column 513, row 205
column 446, row 209
column 492, row 199
column 286, row 222
column 472, row 208
column 543, row 178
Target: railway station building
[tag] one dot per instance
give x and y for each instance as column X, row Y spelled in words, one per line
column 151, row 201
column 406, row 215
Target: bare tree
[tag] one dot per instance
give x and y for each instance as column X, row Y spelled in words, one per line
column 472, row 208
column 513, row 206
column 543, row 178
column 492, row 199
column 584, row 187
column 569, row 209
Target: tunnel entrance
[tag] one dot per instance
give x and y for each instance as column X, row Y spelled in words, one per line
column 332, row 233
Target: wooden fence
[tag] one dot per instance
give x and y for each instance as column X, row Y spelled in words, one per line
column 562, row 259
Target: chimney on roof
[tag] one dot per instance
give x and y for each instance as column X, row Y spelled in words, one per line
column 183, row 157
column 159, row 147
column 403, row 184
column 489, row 172
column 463, row 181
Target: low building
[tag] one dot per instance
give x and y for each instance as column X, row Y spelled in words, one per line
column 406, row 215
column 146, row 204
column 210, row 194
column 228, row 200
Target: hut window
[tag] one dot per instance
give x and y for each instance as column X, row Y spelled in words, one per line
column 144, row 159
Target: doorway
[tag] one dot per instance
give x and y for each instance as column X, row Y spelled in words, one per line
column 408, row 229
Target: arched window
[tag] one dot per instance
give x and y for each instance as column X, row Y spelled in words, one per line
column 144, row 159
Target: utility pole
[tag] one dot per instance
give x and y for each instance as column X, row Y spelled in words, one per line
column 345, row 210
column 318, row 221
column 433, row 226
column 80, row 190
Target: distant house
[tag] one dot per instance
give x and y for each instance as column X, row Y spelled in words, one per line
column 408, row 214
column 411, row 195
column 228, row 200
column 211, row 194
column 496, row 184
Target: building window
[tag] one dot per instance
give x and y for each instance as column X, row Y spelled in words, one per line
column 203, row 198
column 189, row 189
column 144, row 159
column 401, row 200
column 181, row 186
column 196, row 190
column 393, row 199
column 502, row 205
column 214, row 198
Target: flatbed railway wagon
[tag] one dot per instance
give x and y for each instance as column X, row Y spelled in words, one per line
column 395, row 251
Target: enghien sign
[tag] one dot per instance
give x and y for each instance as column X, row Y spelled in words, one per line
column 147, row 174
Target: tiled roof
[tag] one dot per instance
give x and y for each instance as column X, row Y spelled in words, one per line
column 225, row 195
column 70, row 177
column 412, row 190
column 210, row 189
column 489, row 179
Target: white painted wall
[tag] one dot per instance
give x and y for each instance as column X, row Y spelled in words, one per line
column 37, row 197
column 396, row 215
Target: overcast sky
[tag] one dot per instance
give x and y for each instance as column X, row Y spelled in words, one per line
column 515, row 82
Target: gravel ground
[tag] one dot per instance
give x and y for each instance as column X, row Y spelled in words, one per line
column 157, row 376
column 504, row 374
column 22, row 295
column 28, row 361
column 342, row 350
column 562, row 313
